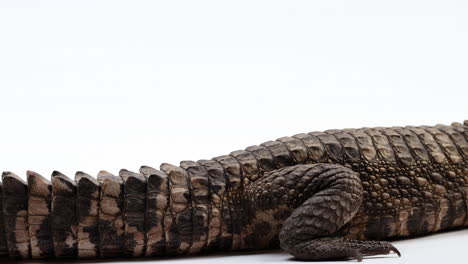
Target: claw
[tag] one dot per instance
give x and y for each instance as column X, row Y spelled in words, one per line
column 396, row 251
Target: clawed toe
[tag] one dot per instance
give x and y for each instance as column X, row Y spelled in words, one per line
column 372, row 248
column 395, row 250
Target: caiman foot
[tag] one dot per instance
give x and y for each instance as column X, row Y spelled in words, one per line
column 338, row 247
column 310, row 232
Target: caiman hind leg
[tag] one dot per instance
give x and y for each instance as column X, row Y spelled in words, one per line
column 333, row 195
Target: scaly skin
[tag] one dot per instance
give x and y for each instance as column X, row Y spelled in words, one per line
column 321, row 195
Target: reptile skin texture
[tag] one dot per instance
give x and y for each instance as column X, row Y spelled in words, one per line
column 322, row 195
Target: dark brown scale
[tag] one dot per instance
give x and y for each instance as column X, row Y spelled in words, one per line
column 199, row 182
column 402, row 152
column 249, row 165
column 64, row 218
column 178, row 224
column 333, row 148
column 447, row 212
column 111, row 223
column 458, row 139
column 373, row 228
column 365, row 145
column 156, row 207
column 415, row 226
column 15, row 215
column 348, row 144
column 465, row 124
column 429, row 217
column 280, row 153
column 233, row 174
column 388, row 225
column 134, row 208
column 446, row 144
column 264, row 158
column 3, row 240
column 430, row 144
column 382, row 145
column 39, row 216
column 315, row 149
column 460, row 128
column 220, row 226
column 297, row 149
column 459, row 208
column 415, row 145
column 88, row 196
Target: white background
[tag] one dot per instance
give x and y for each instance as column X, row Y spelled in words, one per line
column 91, row 85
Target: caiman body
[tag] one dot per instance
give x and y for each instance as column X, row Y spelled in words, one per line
column 319, row 195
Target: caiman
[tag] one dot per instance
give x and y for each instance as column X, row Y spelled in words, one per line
column 318, row 196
